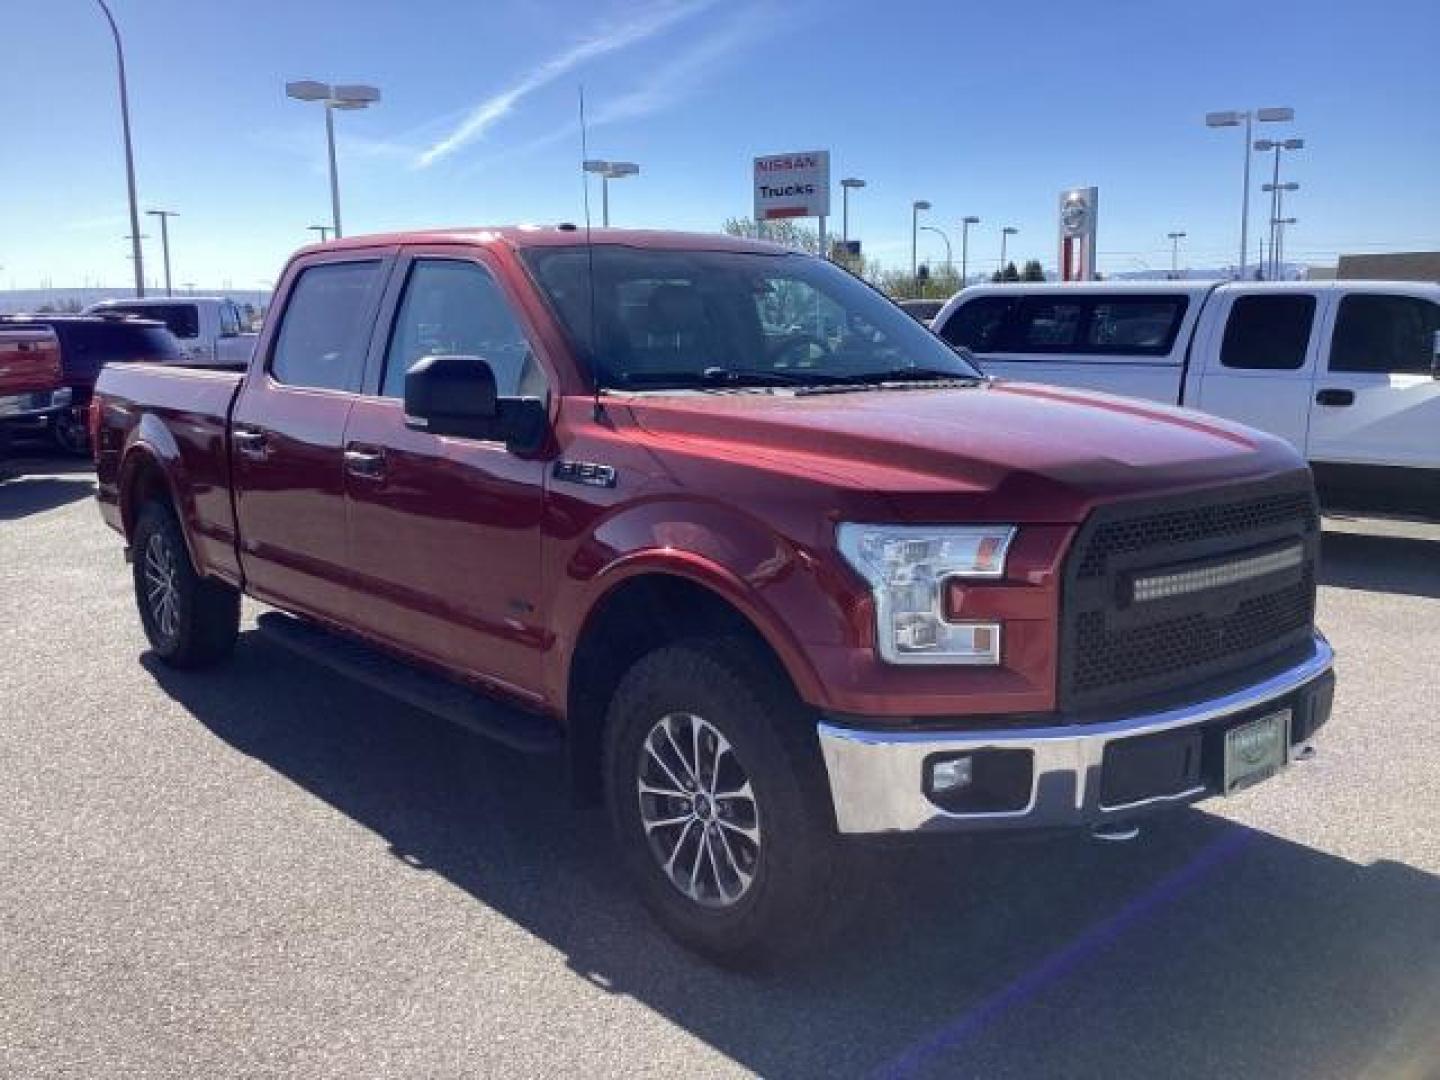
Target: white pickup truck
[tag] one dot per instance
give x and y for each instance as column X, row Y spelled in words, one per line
column 210, row 329
column 1347, row 371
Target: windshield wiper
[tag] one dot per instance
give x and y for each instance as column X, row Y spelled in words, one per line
column 913, row 374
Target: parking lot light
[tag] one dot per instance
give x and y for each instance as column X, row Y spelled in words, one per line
column 349, row 97
column 965, row 224
column 1175, row 238
column 136, row 255
column 1265, row 146
column 1005, row 234
column 607, row 171
column 845, row 186
column 915, row 208
column 1233, row 118
column 165, row 216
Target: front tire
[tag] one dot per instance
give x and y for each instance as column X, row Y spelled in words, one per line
column 717, row 799
column 191, row 621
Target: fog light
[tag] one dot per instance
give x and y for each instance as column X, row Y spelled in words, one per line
column 950, row 774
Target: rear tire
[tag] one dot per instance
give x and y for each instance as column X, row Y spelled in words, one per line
column 742, row 862
column 191, row 621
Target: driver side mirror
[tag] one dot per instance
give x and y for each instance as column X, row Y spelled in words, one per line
column 456, row 395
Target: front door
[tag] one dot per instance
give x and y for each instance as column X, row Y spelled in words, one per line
column 445, row 531
column 1259, row 360
column 287, row 434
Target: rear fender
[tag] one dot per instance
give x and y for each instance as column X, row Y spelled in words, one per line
column 152, row 450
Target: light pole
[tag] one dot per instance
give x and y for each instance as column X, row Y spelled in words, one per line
column 915, row 208
column 1175, row 238
column 135, row 253
column 1005, row 234
column 965, row 224
column 845, row 186
column 354, row 96
column 607, row 171
column 931, row 228
column 165, row 216
column 323, row 230
column 1280, row 224
column 1235, row 119
column 1277, row 200
column 1265, row 146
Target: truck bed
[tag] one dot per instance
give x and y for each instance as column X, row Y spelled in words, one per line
column 178, row 414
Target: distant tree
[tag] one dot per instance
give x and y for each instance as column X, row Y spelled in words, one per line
column 1010, row 273
column 782, row 231
column 1033, row 271
column 938, row 284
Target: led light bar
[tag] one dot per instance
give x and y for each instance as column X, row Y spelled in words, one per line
column 1184, row 582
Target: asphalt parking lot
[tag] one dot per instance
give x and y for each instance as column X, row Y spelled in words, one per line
column 263, row 870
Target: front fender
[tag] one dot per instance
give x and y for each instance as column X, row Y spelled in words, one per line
column 784, row 590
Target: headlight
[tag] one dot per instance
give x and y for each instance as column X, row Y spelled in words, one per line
column 906, row 566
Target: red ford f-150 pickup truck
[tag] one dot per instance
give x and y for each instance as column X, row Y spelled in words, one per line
column 775, row 567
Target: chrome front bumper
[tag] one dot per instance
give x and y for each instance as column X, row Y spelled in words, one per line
column 877, row 780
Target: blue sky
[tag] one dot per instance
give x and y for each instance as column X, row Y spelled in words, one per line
column 982, row 108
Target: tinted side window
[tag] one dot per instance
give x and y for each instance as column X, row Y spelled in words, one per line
column 320, row 344
column 229, row 319
column 1134, row 325
column 1046, row 325
column 1385, row 334
column 182, row 319
column 1268, row 333
column 455, row 308
column 977, row 323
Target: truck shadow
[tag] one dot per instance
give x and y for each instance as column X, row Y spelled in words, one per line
column 1205, row 948
column 1381, row 562
column 22, row 495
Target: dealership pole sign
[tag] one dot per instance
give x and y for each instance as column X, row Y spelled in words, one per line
column 1079, row 216
column 792, row 185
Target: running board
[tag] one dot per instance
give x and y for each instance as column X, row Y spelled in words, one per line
column 515, row 728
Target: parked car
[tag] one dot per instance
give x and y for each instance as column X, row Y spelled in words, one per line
column 32, row 386
column 75, row 347
column 1347, row 371
column 771, row 592
column 210, row 329
column 922, row 311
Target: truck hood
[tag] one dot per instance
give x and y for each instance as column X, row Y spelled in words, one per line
column 1004, row 450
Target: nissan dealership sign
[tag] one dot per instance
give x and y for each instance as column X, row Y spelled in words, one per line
column 792, row 185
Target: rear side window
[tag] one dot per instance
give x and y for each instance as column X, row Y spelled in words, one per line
column 320, row 343
column 976, row 324
column 1268, row 333
column 1135, row 325
column 182, row 319
column 1385, row 334
column 1045, row 324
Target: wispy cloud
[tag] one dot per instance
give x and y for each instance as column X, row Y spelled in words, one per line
column 652, row 21
column 668, row 87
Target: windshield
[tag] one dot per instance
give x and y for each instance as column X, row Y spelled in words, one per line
column 679, row 319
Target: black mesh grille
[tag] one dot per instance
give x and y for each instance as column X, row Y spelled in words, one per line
column 1195, row 523
column 1105, row 658
column 1116, row 650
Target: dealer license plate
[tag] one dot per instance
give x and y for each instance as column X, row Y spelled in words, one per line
column 1256, row 751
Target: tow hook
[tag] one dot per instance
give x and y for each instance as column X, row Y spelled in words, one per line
column 1119, row 832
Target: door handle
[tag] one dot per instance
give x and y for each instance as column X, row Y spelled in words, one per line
column 250, row 442
column 1337, row 399
column 365, row 463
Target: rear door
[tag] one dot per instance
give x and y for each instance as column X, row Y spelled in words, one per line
column 1256, row 357
column 287, row 434
column 1377, row 401
column 445, row 531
